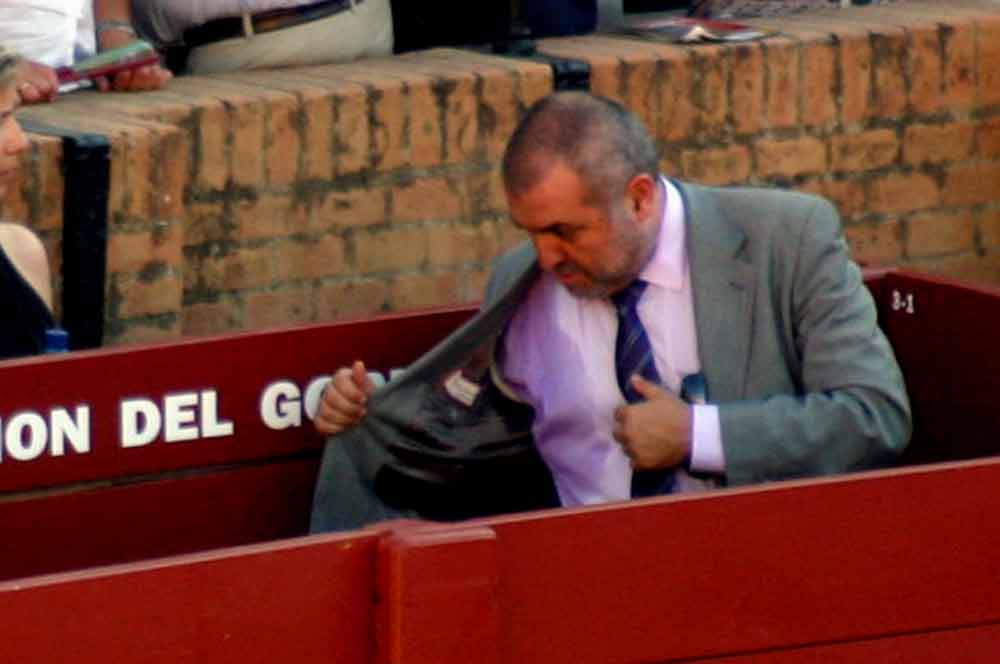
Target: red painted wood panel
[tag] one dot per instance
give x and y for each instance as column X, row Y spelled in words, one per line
column 307, row 600
column 237, row 368
column 971, row 645
column 102, row 525
column 790, row 565
column 944, row 335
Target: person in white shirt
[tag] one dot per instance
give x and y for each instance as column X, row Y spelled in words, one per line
column 230, row 35
column 749, row 291
column 54, row 33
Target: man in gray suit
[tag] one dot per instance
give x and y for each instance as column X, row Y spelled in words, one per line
column 675, row 337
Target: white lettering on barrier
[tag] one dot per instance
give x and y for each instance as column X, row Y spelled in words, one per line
column 28, row 434
column 282, row 404
column 184, row 416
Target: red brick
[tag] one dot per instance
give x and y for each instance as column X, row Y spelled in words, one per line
column 865, row 151
column 988, row 225
column 207, row 222
column 453, row 245
column 782, row 76
column 969, row 184
column 790, row 157
column 140, row 332
column 878, row 244
column 318, row 128
column 133, row 251
column 855, row 77
column 210, row 318
column 428, row 199
column 486, row 194
column 312, row 258
column 902, row 193
column 937, row 143
column 988, row 62
column 358, row 297
column 988, row 138
column 677, row 109
column 398, row 248
column 934, row 233
column 888, row 59
column 426, row 131
column 819, row 101
column 47, row 206
column 144, row 297
column 722, row 166
column 270, row 216
column 925, row 65
column 247, row 157
column 243, row 268
column 847, row 195
column 282, row 143
column 212, row 153
column 748, row 88
column 352, row 132
column 959, row 65
column 710, row 94
column 421, row 291
column 355, row 208
column 274, row 309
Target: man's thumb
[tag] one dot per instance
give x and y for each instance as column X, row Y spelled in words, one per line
column 647, row 389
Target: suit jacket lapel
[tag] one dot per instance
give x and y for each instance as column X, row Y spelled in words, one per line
column 722, row 283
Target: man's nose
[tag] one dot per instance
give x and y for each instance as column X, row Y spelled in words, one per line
column 550, row 251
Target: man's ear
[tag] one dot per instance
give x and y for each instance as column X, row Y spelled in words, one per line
column 641, row 193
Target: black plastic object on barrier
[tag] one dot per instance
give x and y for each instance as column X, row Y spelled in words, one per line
column 87, row 179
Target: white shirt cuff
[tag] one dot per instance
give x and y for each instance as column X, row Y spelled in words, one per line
column 707, row 453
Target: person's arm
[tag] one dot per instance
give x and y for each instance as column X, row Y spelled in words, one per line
column 852, row 411
column 113, row 26
column 27, row 254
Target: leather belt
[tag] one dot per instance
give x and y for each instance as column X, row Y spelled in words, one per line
column 247, row 25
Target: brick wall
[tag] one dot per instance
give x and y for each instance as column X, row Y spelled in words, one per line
column 266, row 198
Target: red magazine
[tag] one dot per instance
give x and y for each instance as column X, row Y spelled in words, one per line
column 681, row 29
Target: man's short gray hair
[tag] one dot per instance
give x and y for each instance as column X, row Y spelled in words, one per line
column 604, row 143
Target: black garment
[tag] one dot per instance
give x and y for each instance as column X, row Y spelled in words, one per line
column 26, row 317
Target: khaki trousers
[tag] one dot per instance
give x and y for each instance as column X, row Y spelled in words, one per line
column 363, row 30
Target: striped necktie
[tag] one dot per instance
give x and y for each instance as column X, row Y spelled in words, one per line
column 634, row 355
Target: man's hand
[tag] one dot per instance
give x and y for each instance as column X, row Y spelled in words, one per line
column 147, row 77
column 655, row 433
column 36, row 83
column 344, row 399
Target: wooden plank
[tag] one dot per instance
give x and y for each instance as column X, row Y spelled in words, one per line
column 102, row 525
column 971, row 645
column 307, row 600
column 64, row 421
column 786, row 566
column 942, row 333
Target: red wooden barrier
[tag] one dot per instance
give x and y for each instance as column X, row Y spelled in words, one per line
column 891, row 565
column 242, row 462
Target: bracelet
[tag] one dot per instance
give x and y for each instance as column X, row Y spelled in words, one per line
column 122, row 26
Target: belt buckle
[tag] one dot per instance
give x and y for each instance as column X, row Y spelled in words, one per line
column 248, row 31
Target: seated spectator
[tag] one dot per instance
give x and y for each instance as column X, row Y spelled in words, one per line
column 230, row 35
column 24, row 269
column 45, row 33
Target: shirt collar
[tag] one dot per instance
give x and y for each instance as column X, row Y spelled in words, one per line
column 668, row 265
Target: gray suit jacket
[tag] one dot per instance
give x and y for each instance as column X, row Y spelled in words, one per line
column 805, row 381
